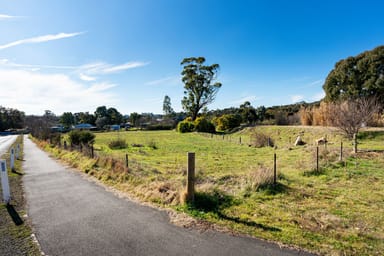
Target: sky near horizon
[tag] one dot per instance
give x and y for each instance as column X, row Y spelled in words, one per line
column 73, row 56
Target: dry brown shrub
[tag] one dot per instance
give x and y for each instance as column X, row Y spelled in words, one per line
column 260, row 139
column 306, row 116
column 377, row 120
column 161, row 192
column 258, row 178
column 322, row 115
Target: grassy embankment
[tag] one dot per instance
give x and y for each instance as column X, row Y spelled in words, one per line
column 15, row 231
column 339, row 210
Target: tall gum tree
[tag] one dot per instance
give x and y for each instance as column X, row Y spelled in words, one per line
column 199, row 84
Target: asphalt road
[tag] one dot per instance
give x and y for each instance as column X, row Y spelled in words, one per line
column 73, row 216
column 6, row 142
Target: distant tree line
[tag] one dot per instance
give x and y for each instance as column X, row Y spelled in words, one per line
column 354, row 96
column 11, row 119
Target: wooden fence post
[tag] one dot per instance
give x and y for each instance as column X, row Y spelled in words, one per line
column 317, row 159
column 274, row 170
column 92, row 152
column 12, row 160
column 354, row 143
column 126, row 160
column 325, row 142
column 341, row 151
column 191, row 177
column 240, row 140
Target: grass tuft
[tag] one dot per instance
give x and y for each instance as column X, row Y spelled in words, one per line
column 117, row 144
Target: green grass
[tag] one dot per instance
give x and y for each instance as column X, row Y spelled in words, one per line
column 336, row 210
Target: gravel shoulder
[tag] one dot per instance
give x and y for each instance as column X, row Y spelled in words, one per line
column 15, row 230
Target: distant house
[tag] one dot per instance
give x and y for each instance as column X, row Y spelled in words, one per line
column 114, row 127
column 88, row 127
column 57, row 128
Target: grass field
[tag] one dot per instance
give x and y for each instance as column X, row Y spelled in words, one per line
column 337, row 210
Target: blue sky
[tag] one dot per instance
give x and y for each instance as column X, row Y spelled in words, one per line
column 76, row 55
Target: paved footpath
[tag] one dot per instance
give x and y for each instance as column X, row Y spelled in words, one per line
column 73, row 216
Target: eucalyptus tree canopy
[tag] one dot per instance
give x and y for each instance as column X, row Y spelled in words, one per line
column 361, row 76
column 199, row 84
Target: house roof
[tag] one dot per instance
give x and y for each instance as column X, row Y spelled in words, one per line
column 84, row 126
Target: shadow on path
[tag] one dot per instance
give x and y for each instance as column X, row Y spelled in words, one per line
column 14, row 215
column 18, row 173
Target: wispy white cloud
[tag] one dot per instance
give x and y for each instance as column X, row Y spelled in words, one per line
column 297, row 98
column 169, row 80
column 317, row 82
column 33, row 92
column 100, row 87
column 85, row 72
column 86, row 78
column 312, row 84
column 40, row 39
column 295, row 80
column 7, row 17
column 10, row 64
column 102, row 68
column 125, row 66
column 250, row 98
column 318, row 96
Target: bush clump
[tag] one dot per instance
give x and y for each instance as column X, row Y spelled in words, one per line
column 259, row 140
column 81, row 137
column 117, row 144
column 204, row 125
column 55, row 139
column 185, row 126
column 227, row 122
column 201, row 124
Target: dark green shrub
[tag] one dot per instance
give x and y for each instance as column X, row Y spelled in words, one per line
column 158, row 127
column 81, row 137
column 87, row 138
column 203, row 125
